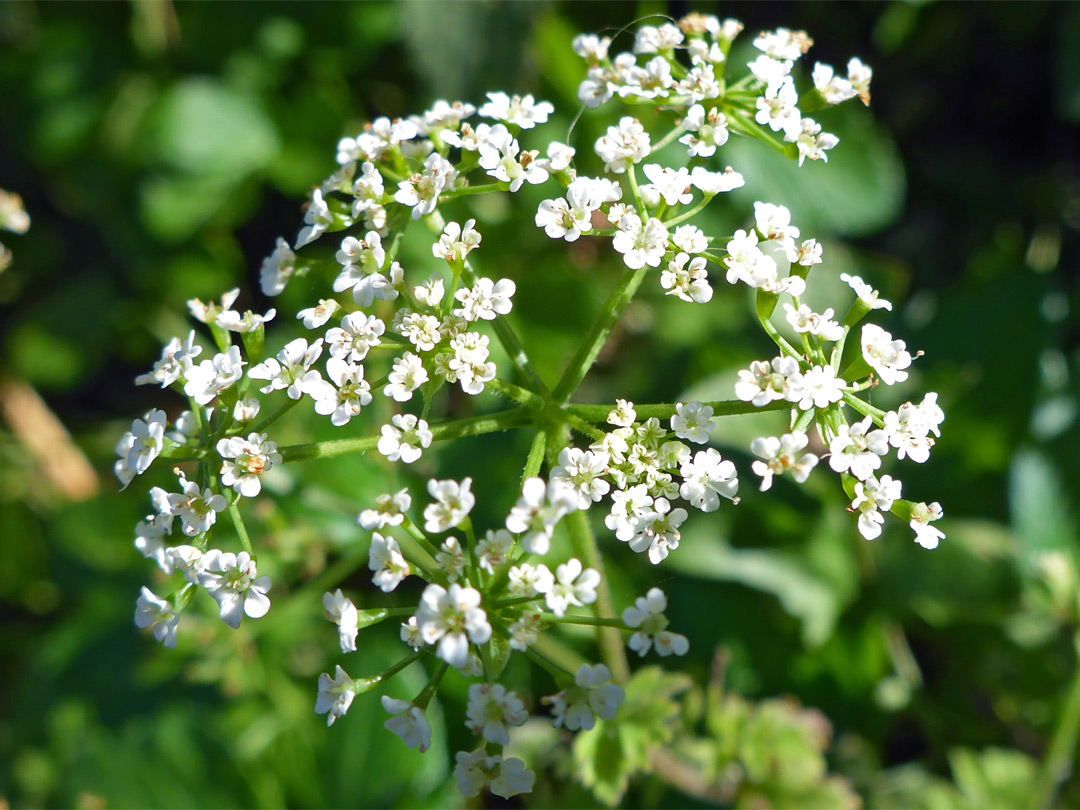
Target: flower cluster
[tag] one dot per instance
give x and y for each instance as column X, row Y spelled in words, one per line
column 386, row 333
column 13, row 217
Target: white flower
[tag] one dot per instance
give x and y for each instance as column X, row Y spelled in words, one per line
column 408, row 722
column 572, row 586
column 693, row 422
column 688, row 279
column 591, row 696
column 590, row 47
column 157, row 614
column 407, row 375
column 388, row 563
column 690, row 239
column 345, row 401
column 175, row 361
column 711, row 183
column 774, row 222
column 457, row 242
column 335, row 695
column 317, row 218
column 648, row 619
column 818, row 387
column 491, row 709
column 196, row 507
column 410, row 633
column 318, row 316
column 208, row 379
column 706, row 479
column 452, row 618
column 494, row 549
column 149, row 542
column 485, row 299
column 658, row 529
column 362, row 263
column 860, row 74
column 654, row 80
column 769, row 71
column 672, row 184
column 623, row 414
column 640, row 244
column 342, row 612
column 431, row 292
column 367, row 190
column 858, row 448
column 811, row 141
column 886, row 356
column 867, row 294
column 766, row 382
column 627, row 508
column 451, row 559
column 623, row 145
column 245, row 461
column 522, row 111
column 355, row 337
column 188, row 560
column 506, row 777
column 405, row 438
column 233, row 581
column 780, row 455
column 452, row 504
column 233, row 321
column 469, row 364
column 291, row 369
column 140, row 446
column 805, row 320
column 922, row 514
column 833, row 88
column 389, row 511
column 530, row 580
column 421, row 191
column 649, row 39
column 245, row 410
column 872, row 495
column 583, row 469
column 207, row 313
column 560, row 156
column 809, row 253
column 783, row 43
column 706, row 131
column 524, row 632
column 502, row 158
column 777, row 109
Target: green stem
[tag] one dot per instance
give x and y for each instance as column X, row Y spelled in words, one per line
column 262, row 424
column 675, row 133
column 685, row 216
column 723, row 407
column 536, row 455
column 520, row 395
column 592, row 621
column 470, row 426
column 1060, row 754
column 238, row 522
column 611, row 645
column 865, row 408
column 598, row 334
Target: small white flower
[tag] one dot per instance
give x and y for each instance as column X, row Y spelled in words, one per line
column 583, row 469
column 452, row 618
column 491, row 709
column 410, row 633
column 623, row 414
column 693, row 422
column 317, row 218
column 867, row 294
column 196, row 507
column 706, row 479
column 245, row 410
column 648, row 619
column 157, row 614
column 456, row 241
column 245, row 462
column 573, row 586
column 405, row 438
column 818, row 387
column 777, row 108
column 811, row 141
column 494, row 549
column 451, row 559
column 834, row 89
column 591, row 696
column 530, row 580
column 522, row 111
column 766, row 381
column 922, row 515
column 408, row 722
column 886, row 356
column 690, row 239
column 485, row 299
column 858, row 449
column 343, row 402
column 658, row 529
column 805, row 320
column 233, row 581
column 355, row 337
column 291, row 369
column 476, row 770
column 176, row 360
column 211, row 377
column 407, row 375
column 781, row 455
column 872, row 495
column 706, row 131
column 342, row 612
column 860, row 74
column 712, row 183
column 335, row 695
column 388, row 563
column 688, row 279
column 641, row 244
column 623, row 145
column 207, row 313
column 452, row 504
column 389, row 511
column 233, row 321
column 318, row 316
column 140, row 446
column 524, row 632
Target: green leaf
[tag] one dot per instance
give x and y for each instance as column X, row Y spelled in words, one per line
column 994, row 778
column 1039, row 505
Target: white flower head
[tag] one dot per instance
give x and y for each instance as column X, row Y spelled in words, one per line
column 492, row 710
column 335, row 695
column 342, row 612
column 886, row 356
column 573, row 586
column 233, row 581
column 245, row 461
column 591, row 696
column 452, row 504
column 782, row 455
column 693, row 422
column 389, row 511
column 405, row 438
column 158, row 614
column 648, row 619
column 388, row 563
column 409, row 723
column 452, row 618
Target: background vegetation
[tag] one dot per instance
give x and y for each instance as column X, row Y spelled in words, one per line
column 161, row 148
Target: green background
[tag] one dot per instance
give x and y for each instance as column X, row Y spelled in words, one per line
column 161, row 148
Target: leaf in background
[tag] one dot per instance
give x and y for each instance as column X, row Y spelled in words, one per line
column 802, row 594
column 1038, row 504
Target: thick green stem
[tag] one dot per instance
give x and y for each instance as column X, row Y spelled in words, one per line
column 723, row 407
column 536, row 455
column 1061, row 753
column 470, row 426
column 598, row 334
column 611, row 645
